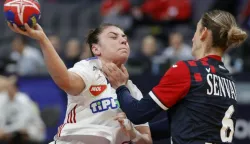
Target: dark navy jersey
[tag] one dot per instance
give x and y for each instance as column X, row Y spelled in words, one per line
column 200, row 97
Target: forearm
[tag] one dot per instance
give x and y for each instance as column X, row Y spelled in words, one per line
column 145, row 139
column 138, row 112
column 56, row 68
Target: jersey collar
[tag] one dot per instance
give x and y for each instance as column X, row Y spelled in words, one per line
column 216, row 57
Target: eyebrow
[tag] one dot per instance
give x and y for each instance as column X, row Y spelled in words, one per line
column 123, row 35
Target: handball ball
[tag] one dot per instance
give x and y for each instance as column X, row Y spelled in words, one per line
column 22, row 11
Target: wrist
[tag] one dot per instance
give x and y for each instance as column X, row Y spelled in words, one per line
column 135, row 136
column 121, row 88
column 43, row 39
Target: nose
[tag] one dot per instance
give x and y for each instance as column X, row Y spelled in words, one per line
column 124, row 41
column 193, row 39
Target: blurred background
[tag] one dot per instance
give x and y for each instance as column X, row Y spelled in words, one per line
column 160, row 33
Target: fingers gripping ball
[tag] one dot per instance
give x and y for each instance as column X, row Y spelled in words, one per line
column 22, row 11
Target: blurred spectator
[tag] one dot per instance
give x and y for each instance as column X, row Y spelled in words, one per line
column 120, row 6
column 3, row 83
column 56, row 42
column 167, row 10
column 162, row 15
column 20, row 121
column 245, row 16
column 86, row 53
column 143, row 60
column 245, row 55
column 28, row 60
column 72, row 52
column 177, row 50
column 233, row 64
column 116, row 12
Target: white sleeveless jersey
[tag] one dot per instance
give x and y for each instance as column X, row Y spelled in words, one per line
column 92, row 112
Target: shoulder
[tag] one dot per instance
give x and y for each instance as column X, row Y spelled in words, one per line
column 23, row 98
column 90, row 64
column 179, row 65
column 177, row 71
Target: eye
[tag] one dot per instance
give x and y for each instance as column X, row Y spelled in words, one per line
column 113, row 37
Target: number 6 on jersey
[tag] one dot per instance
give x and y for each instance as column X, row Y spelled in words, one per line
column 227, row 124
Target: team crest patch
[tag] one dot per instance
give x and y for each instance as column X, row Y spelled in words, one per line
column 96, row 90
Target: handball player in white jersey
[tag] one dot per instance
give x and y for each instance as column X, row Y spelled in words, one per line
column 93, row 115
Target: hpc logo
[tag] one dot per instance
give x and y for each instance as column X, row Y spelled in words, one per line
column 96, row 90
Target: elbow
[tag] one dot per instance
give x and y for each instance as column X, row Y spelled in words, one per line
column 64, row 85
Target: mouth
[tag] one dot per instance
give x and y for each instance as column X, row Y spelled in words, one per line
column 124, row 49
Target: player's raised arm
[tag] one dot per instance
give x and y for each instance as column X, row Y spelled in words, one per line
column 66, row 80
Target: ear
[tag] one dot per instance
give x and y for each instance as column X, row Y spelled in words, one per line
column 96, row 49
column 204, row 34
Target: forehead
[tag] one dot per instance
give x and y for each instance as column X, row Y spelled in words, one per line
column 112, row 29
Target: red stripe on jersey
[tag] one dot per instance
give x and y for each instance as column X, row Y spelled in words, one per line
column 197, row 77
column 61, row 127
column 68, row 117
column 212, row 69
column 74, row 110
column 72, row 115
column 204, row 63
column 192, row 63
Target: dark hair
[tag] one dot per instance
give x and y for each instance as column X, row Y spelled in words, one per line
column 225, row 32
column 93, row 34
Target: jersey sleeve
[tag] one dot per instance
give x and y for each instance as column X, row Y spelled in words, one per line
column 173, row 86
column 85, row 71
column 136, row 93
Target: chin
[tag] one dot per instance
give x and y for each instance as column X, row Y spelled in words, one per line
column 123, row 58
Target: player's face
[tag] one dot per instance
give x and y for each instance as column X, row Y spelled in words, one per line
column 113, row 45
column 196, row 40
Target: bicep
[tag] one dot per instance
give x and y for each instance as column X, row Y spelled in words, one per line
column 76, row 84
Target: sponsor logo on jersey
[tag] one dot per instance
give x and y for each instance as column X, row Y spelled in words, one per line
column 96, row 90
column 104, row 105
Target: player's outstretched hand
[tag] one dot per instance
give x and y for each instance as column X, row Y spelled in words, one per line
column 35, row 33
column 116, row 76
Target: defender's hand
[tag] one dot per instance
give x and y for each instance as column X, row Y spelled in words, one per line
column 117, row 77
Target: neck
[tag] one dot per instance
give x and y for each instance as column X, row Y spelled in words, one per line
column 210, row 51
column 118, row 64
